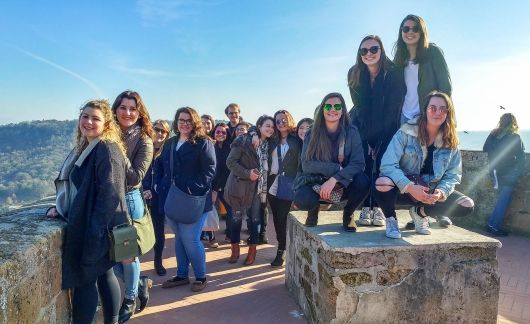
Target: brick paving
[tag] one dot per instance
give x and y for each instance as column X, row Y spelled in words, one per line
column 257, row 293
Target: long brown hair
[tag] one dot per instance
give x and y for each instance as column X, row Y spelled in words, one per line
column 319, row 146
column 143, row 114
column 111, row 130
column 507, row 125
column 401, row 53
column 448, row 128
column 290, row 122
column 198, row 132
column 360, row 67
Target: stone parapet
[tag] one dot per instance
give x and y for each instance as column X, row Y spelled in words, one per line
column 30, row 269
column 338, row 277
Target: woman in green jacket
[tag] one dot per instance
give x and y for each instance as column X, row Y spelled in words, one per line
column 423, row 64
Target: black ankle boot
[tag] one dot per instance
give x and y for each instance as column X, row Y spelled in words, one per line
column 312, row 217
column 280, row 258
column 348, row 223
column 159, row 268
column 143, row 292
column 263, row 238
column 126, row 310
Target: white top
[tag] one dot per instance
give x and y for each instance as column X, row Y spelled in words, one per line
column 411, row 105
column 275, row 166
column 179, row 144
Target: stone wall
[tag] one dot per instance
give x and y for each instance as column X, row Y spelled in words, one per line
column 338, row 277
column 30, row 269
column 477, row 184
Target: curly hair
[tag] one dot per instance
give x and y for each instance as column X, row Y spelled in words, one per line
column 143, row 115
column 507, row 125
column 111, row 130
column 198, row 132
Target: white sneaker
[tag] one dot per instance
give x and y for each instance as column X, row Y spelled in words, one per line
column 392, row 228
column 421, row 223
column 366, row 217
column 379, row 218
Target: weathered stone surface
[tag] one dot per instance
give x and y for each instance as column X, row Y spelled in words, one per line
column 364, row 277
column 30, row 269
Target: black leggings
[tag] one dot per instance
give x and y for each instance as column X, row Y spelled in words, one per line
column 85, row 299
column 280, row 209
column 158, row 226
column 389, row 199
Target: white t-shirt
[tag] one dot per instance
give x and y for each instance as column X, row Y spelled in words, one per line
column 411, row 105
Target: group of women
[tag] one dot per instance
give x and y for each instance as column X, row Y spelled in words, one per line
column 398, row 145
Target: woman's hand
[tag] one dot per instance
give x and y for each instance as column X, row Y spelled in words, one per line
column 254, row 175
column 420, row 193
column 147, row 194
column 327, row 187
column 52, row 212
column 255, row 140
column 214, row 196
column 435, row 196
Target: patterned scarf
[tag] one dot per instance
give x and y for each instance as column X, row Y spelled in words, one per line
column 131, row 137
column 263, row 154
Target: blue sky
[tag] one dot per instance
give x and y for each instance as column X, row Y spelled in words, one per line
column 264, row 55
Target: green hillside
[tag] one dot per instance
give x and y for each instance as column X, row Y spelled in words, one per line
column 31, row 154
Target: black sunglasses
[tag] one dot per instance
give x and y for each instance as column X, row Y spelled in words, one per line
column 363, row 51
column 406, row 29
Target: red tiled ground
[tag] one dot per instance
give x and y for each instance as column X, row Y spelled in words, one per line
column 257, row 294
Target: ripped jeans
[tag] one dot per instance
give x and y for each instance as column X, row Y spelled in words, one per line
column 256, row 213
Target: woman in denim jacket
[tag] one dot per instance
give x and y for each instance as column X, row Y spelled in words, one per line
column 426, row 147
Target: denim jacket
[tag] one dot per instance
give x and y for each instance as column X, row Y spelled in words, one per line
column 405, row 156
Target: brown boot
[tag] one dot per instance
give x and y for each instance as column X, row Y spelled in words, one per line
column 235, row 253
column 251, row 256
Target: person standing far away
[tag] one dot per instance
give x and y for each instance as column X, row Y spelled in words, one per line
column 232, row 111
column 506, row 158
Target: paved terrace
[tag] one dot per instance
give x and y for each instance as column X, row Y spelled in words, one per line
column 243, row 294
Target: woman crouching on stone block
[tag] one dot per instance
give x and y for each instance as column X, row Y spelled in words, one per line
column 421, row 167
column 332, row 164
column 91, row 197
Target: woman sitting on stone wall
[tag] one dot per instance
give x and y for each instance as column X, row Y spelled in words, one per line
column 421, row 167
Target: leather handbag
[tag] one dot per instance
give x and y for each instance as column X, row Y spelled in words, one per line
column 123, row 240
column 285, row 184
column 335, row 196
column 146, row 232
column 182, row 207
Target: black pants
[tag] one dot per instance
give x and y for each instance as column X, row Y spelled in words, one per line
column 159, row 220
column 228, row 218
column 306, row 198
column 388, row 201
column 280, row 209
column 370, row 199
column 85, row 299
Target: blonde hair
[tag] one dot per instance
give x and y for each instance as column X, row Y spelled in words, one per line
column 507, row 125
column 448, row 128
column 111, row 130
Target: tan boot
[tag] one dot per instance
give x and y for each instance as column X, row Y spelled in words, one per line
column 251, row 256
column 235, row 253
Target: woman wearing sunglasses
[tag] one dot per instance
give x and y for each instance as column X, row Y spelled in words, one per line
column 332, row 157
column 423, row 64
column 375, row 93
column 284, row 164
column 221, row 134
column 162, row 130
column 421, row 167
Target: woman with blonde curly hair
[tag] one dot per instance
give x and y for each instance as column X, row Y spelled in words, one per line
column 421, row 167
column 90, row 197
column 187, row 161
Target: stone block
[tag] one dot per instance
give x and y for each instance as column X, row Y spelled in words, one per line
column 364, row 277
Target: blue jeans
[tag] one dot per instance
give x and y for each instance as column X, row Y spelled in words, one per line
column 129, row 273
column 256, row 213
column 497, row 216
column 188, row 247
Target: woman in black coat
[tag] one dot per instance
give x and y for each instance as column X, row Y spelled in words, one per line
column 376, row 94
column 91, row 197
